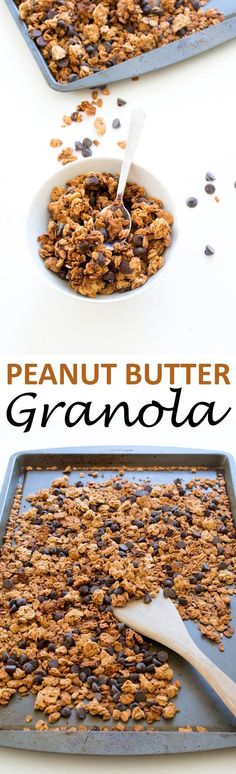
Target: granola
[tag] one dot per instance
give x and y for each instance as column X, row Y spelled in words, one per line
column 78, row 37
column 83, row 547
column 75, row 245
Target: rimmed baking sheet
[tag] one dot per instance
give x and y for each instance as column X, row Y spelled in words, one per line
column 198, row 704
column 161, row 57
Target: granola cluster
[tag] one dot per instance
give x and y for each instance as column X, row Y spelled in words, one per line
column 77, row 244
column 79, row 550
column 78, row 37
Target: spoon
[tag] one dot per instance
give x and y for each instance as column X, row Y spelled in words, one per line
column 135, row 128
column 159, row 620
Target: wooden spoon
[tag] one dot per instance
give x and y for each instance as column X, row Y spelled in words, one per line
column 159, row 620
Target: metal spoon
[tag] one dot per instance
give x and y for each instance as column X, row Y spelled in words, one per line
column 135, row 128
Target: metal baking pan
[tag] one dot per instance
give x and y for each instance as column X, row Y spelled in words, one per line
column 198, row 704
column 166, row 55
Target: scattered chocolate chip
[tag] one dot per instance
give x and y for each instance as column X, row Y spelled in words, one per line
column 116, row 123
column 171, row 593
column 86, row 152
column 209, row 250
column 53, row 663
column 81, row 713
column 91, row 182
column 10, row 668
column 57, row 615
column 87, row 142
column 147, row 599
column 205, row 567
column 41, row 42
column 162, row 656
column 78, row 145
column 183, row 601
column 65, row 712
column 209, row 176
column 192, row 202
column 8, row 583
column 209, row 188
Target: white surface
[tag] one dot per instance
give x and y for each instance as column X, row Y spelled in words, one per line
column 190, row 129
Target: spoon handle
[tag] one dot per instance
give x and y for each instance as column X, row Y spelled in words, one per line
column 218, row 680
column 136, row 124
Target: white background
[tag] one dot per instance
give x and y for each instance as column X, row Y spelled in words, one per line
column 190, row 315
column 190, row 129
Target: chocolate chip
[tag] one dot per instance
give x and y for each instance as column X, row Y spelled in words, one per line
column 10, row 668
column 162, row 656
column 87, row 142
column 209, row 250
column 86, row 152
column 171, row 593
column 140, row 696
column 140, row 251
column 83, row 590
column 147, row 599
column 141, row 667
column 51, row 647
column 75, row 669
column 209, row 176
column 65, row 712
column 37, row 679
column 72, row 77
column 199, row 588
column 110, row 276
column 20, row 601
column 120, row 102
column 23, row 644
column 78, row 145
column 41, row 42
column 57, row 616
column 28, row 668
column 81, row 713
column 125, row 267
column 8, row 583
column 23, row 659
column 91, row 182
column 137, row 240
column 183, row 601
column 116, row 123
column 168, row 583
column 209, row 188
column 192, row 202
column 53, row 663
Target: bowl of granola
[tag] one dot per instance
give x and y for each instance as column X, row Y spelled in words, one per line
column 70, row 242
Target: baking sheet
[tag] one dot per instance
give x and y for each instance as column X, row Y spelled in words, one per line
column 198, row 704
column 166, row 55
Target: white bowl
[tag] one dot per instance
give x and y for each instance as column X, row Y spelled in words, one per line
column 38, row 220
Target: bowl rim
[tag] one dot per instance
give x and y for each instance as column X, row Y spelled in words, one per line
column 60, row 177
